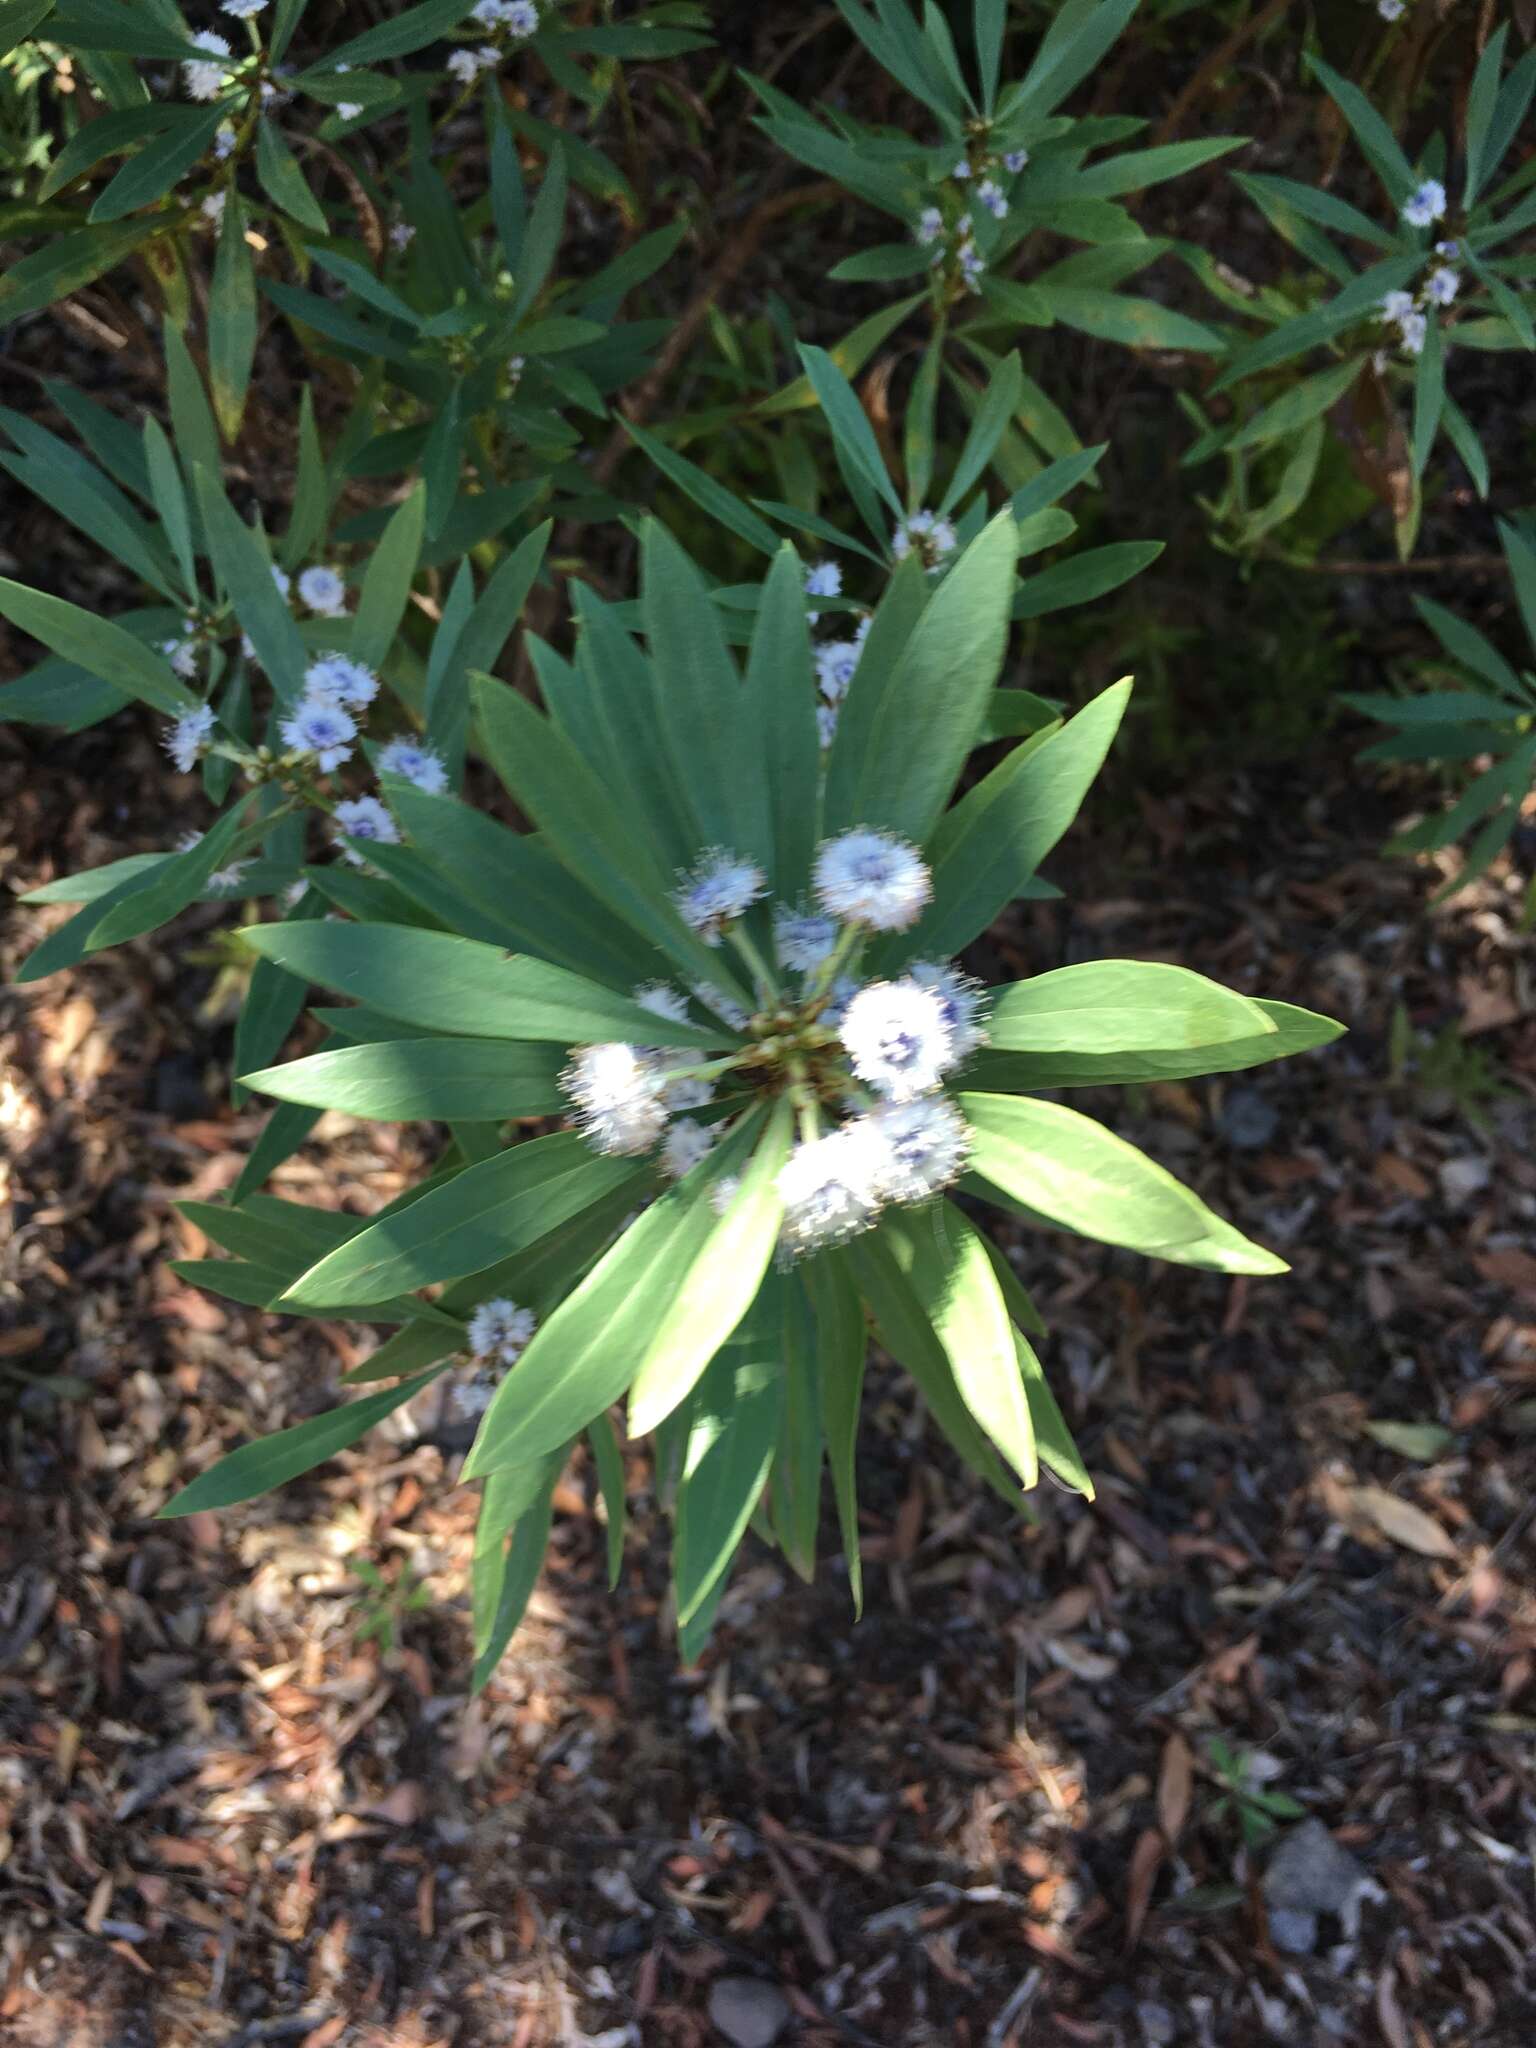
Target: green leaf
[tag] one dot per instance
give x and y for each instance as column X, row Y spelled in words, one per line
column 781, row 695
column 609, row 1460
column 989, row 845
column 160, row 164
column 503, row 1572
column 842, row 1344
column 1294, row 1031
column 850, row 427
column 950, row 1272
column 906, row 728
column 714, row 498
column 1428, row 394
column 245, row 569
column 999, row 403
column 231, row 321
column 407, row 32
column 386, row 587
column 19, row 19
column 574, row 809
column 283, row 182
column 271, row 1461
column 710, row 1297
column 733, row 1429
column 482, row 1215
column 176, row 882
column 702, row 701
column 1371, row 132
column 104, row 25
column 1058, row 1164
column 170, row 501
column 102, row 648
column 1082, row 578
column 440, row 1079
column 850, row 355
column 541, row 237
column 1115, row 1006
column 1482, row 98
column 1138, row 323
column 1303, row 402
column 585, row 1354
column 1465, row 644
column 65, row 263
column 461, row 987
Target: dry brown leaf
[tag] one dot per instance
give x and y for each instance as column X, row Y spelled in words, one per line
column 1509, row 1267
column 1146, row 1859
column 1402, row 1521
column 1174, row 1785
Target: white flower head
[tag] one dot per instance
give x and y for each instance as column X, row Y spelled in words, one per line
column 1014, row 161
column 415, row 763
column 401, row 235
column 1442, row 285
column 1415, row 331
column 993, row 198
column 826, row 724
column 685, row 1145
column 836, row 661
column 520, row 18
column 830, row 1188
column 1449, row 250
column 224, row 142
column 204, row 77
column 1396, row 307
column 242, row 10
column 364, row 817
column 282, row 579
column 662, row 1000
column 802, row 939
column 225, row 881
column 719, row 1004
column 686, row 1091
column 348, row 110
column 323, row 592
column 1425, row 205
column 212, row 208
column 930, row 225
column 186, row 740
column 720, row 889
column 1391, row 10
column 933, row 537
column 464, row 65
column 961, row 998
column 972, row 265
column 923, row 1145
column 338, row 679
column 321, row 728
column 501, row 1331
column 898, row 1039
column 823, row 579
column 616, row 1089
column 182, row 655
column 871, row 878
column 724, row 1192
column 962, row 169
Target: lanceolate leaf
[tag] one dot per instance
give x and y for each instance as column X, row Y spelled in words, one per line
column 482, row 1215
column 511, row 1537
column 437, row 1078
column 273, row 1460
column 733, row 1432
column 459, row 986
column 1028, row 1073
column 1111, row 1006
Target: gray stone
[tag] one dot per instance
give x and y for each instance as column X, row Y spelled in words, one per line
column 1248, row 1119
column 1308, row 1875
column 750, row 2014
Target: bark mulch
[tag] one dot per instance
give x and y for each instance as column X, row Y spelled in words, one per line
column 1033, row 1795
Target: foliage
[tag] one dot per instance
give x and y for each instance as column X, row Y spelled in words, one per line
column 660, row 903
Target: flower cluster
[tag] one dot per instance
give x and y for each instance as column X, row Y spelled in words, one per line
column 1409, row 312
column 932, row 537
column 1425, row 204
column 499, row 1333
column 836, row 661
column 863, row 1060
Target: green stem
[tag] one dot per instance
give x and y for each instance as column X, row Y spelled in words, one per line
column 849, row 940
column 747, row 947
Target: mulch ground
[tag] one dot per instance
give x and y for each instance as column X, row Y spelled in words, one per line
column 243, row 1796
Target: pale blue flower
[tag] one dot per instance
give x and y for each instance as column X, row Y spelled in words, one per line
column 320, row 728
column 1426, row 205
column 186, row 740
column 898, row 1039
column 871, row 878
column 204, row 76
column 717, row 892
column 414, row 763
